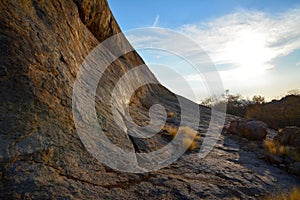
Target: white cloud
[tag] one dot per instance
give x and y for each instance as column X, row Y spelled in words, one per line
column 193, row 77
column 155, row 21
column 242, row 45
column 248, row 39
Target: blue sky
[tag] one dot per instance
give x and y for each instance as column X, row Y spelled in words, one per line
column 254, row 44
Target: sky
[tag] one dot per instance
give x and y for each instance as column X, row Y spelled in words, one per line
column 254, row 44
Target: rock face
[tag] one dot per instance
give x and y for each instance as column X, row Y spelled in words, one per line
column 252, row 130
column 42, row 46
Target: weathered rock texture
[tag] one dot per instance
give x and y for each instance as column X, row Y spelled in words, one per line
column 42, row 45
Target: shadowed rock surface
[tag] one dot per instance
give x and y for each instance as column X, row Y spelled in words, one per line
column 42, row 46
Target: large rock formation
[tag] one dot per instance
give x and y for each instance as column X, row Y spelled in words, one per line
column 42, row 46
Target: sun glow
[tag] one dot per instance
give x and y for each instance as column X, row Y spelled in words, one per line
column 244, row 44
column 250, row 53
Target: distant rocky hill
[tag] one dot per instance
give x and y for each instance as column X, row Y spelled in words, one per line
column 42, row 46
column 278, row 113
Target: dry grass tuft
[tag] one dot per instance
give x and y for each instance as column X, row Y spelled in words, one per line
column 190, row 136
column 271, row 146
column 172, row 131
column 274, row 148
column 189, row 143
column 197, row 137
column 164, row 128
column 283, row 150
column 187, row 131
column 294, row 194
column 170, row 114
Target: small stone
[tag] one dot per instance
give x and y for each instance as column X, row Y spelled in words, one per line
column 64, row 102
column 3, row 71
column 282, row 166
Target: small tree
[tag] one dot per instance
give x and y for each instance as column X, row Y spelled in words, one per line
column 210, row 101
column 257, row 99
column 295, row 92
column 207, row 102
column 236, row 105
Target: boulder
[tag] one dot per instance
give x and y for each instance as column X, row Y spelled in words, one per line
column 289, row 136
column 252, row 130
column 236, row 126
column 255, row 130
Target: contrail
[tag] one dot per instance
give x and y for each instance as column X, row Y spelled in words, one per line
column 155, row 21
